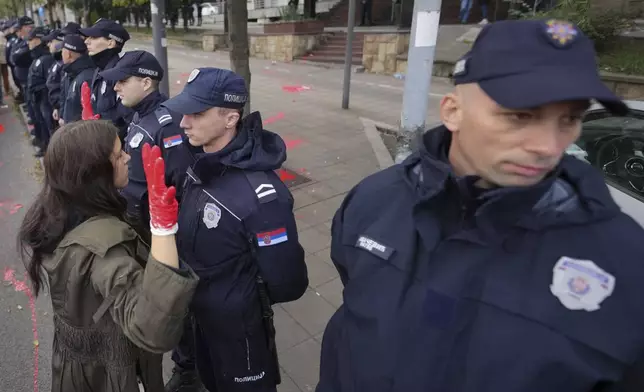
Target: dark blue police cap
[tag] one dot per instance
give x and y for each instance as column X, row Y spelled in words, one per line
column 71, row 28
column 54, row 34
column 135, row 63
column 108, row 29
column 25, row 21
column 37, row 32
column 524, row 64
column 75, row 43
column 207, row 88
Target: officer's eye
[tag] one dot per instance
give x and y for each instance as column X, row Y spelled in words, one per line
column 520, row 116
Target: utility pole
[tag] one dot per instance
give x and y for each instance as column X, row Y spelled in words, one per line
column 157, row 10
column 420, row 61
column 348, row 54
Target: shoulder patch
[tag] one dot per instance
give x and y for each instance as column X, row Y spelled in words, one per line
column 172, row 141
column 261, row 184
column 272, row 237
column 163, row 116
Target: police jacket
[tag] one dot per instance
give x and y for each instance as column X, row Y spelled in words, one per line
column 157, row 126
column 236, row 222
column 21, row 59
column 104, row 99
column 452, row 289
column 11, row 39
column 37, row 80
column 77, row 72
column 54, row 76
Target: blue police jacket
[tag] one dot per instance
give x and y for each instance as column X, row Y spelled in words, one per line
column 21, row 59
column 104, row 99
column 236, row 222
column 54, row 76
column 158, row 126
column 77, row 72
column 37, row 81
column 452, row 289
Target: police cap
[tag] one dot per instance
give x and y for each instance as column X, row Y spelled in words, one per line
column 24, row 21
column 37, row 32
column 523, row 64
column 135, row 63
column 108, row 29
column 75, row 43
column 71, row 28
column 207, row 88
column 54, row 35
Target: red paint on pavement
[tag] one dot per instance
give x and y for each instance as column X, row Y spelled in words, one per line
column 292, row 143
column 284, row 175
column 21, row 286
column 1, row 128
column 295, row 89
column 1, row 164
column 15, row 209
column 274, row 118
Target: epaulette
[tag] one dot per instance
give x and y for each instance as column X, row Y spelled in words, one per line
column 163, row 116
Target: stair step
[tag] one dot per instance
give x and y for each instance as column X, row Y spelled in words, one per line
column 332, row 59
column 335, row 52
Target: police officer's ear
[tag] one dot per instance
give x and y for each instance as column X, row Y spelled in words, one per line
column 232, row 117
column 148, row 84
column 451, row 111
column 111, row 44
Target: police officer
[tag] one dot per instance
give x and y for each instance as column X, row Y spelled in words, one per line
column 79, row 69
column 136, row 78
column 37, row 86
column 489, row 260
column 21, row 60
column 234, row 203
column 12, row 38
column 55, row 73
column 105, row 40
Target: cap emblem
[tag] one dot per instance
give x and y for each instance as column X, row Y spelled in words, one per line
column 193, row 75
column 561, row 32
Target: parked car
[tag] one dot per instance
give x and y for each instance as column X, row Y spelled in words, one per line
column 615, row 146
column 209, row 9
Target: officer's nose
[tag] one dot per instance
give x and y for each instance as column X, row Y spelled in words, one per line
column 185, row 120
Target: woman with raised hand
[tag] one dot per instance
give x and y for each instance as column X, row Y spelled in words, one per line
column 116, row 309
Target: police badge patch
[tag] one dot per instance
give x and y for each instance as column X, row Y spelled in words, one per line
column 580, row 284
column 560, row 33
column 211, row 215
column 135, row 142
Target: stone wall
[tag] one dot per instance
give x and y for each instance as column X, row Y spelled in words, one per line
column 625, row 86
column 212, row 42
column 284, row 47
column 381, row 52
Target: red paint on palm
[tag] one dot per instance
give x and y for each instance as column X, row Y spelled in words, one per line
column 164, row 208
column 86, row 103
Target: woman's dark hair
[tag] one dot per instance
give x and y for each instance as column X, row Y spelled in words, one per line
column 79, row 184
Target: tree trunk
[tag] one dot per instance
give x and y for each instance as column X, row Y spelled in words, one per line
column 226, row 17
column 238, row 38
column 50, row 8
column 309, row 9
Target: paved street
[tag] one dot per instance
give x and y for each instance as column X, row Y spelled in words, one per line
column 328, row 145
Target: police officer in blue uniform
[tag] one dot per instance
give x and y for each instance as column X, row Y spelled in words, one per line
column 105, row 40
column 79, row 68
column 11, row 36
column 489, row 260
column 37, row 86
column 21, row 60
column 55, row 73
column 238, row 233
column 136, row 78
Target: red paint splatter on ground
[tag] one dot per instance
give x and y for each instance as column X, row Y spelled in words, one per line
column 22, row 287
column 15, row 209
column 295, row 89
column 274, row 118
column 285, row 176
column 184, row 75
column 1, row 164
column 302, row 170
column 1, row 128
column 292, row 143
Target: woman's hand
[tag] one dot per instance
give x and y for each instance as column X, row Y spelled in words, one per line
column 164, row 208
column 86, row 103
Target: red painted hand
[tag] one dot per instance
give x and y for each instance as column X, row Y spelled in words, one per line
column 86, row 103
column 164, row 209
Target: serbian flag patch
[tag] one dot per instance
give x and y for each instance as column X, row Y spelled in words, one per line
column 273, row 237
column 172, row 141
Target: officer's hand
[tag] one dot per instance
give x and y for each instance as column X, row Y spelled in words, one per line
column 86, row 103
column 164, row 209
column 54, row 114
